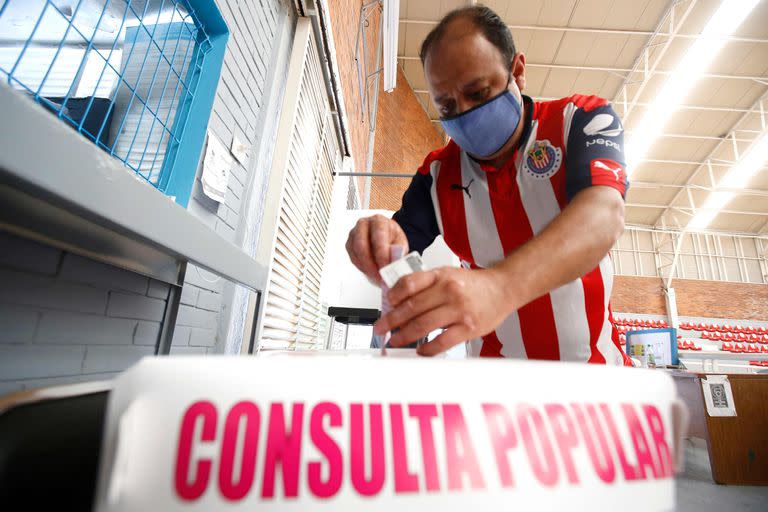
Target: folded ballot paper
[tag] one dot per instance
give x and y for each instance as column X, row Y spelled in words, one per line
column 391, row 274
column 318, row 431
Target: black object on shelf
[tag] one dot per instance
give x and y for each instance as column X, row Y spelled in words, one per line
column 75, row 111
column 355, row 316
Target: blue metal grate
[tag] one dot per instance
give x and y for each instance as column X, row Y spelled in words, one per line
column 121, row 72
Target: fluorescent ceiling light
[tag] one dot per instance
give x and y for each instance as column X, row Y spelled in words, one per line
column 697, row 59
column 391, row 26
column 707, row 212
column 737, row 177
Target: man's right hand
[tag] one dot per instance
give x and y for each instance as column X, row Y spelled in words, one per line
column 369, row 242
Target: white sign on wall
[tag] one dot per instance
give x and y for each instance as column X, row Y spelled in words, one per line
column 217, row 165
column 718, row 395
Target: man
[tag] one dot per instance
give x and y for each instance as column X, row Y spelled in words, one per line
column 528, row 194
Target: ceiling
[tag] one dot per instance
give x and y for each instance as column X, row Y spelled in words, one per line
column 599, row 47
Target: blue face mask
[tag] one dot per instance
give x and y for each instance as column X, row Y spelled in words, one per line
column 483, row 130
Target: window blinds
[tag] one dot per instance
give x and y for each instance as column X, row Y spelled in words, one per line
column 293, row 317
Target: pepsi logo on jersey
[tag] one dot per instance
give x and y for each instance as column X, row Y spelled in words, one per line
column 604, row 142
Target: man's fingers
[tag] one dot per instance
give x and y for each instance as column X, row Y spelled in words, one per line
column 422, row 325
column 359, row 249
column 369, row 242
column 410, row 285
column 397, row 236
column 452, row 336
column 409, row 309
column 380, row 240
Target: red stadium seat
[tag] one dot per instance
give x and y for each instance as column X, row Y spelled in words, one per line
column 751, row 330
column 726, row 347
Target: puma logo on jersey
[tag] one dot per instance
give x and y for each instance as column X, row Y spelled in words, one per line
column 600, row 165
column 457, row 186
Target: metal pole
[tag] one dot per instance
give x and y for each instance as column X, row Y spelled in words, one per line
column 346, row 334
column 254, row 305
column 375, row 174
column 373, row 108
column 164, row 341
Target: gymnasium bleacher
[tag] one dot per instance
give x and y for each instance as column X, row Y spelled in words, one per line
column 710, row 335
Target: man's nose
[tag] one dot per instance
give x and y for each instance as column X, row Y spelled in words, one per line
column 463, row 104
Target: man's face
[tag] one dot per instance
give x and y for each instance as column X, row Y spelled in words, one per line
column 464, row 69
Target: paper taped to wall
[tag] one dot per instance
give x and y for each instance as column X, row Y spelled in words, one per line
column 718, row 395
column 240, row 150
column 216, row 167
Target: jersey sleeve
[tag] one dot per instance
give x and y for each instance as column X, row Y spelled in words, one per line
column 594, row 150
column 417, row 214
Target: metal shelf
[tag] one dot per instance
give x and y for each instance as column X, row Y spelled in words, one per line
column 60, row 189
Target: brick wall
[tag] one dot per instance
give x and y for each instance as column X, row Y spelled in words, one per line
column 345, row 15
column 404, row 137
column 64, row 318
column 710, row 299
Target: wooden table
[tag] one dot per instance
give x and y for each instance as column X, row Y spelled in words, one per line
column 738, row 445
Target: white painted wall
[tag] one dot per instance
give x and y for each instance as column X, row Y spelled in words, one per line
column 343, row 284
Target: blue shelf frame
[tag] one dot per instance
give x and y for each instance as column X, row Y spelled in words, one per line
column 188, row 129
column 180, row 167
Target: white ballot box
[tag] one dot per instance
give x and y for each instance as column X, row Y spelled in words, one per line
column 357, row 431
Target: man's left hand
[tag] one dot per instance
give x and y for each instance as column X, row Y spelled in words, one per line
column 467, row 303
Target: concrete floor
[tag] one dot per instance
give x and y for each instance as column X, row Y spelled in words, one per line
column 696, row 492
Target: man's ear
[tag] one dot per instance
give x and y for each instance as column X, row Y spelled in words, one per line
column 518, row 70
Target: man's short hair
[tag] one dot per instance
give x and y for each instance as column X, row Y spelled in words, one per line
column 490, row 24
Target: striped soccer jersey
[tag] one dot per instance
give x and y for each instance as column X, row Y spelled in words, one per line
column 486, row 213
